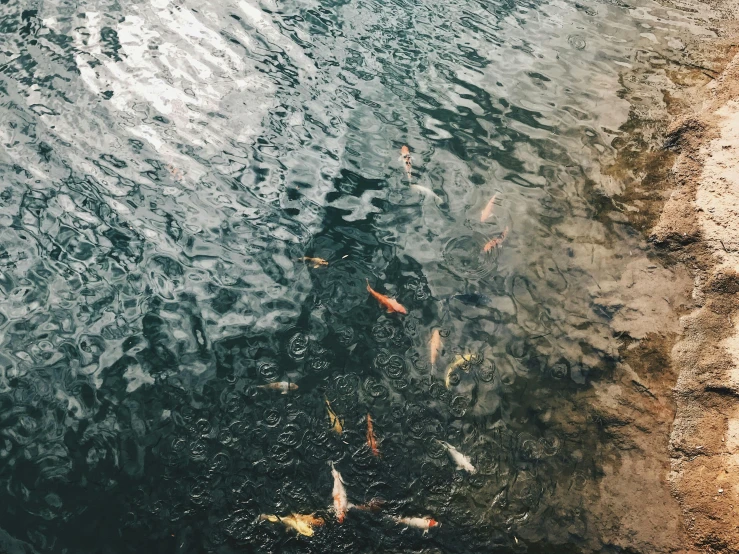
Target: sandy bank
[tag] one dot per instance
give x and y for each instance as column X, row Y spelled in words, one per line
column 699, row 228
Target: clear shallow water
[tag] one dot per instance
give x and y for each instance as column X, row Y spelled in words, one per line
column 165, row 165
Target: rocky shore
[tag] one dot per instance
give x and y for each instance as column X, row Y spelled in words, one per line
column 684, row 195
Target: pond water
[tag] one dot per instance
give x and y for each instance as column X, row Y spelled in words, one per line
column 165, row 167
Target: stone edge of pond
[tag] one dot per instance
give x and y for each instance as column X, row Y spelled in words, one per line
column 678, row 160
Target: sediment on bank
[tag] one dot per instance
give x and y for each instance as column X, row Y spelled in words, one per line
column 684, row 194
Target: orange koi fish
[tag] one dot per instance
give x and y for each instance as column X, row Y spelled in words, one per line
column 488, row 211
column 391, row 304
column 371, row 439
column 317, row 262
column 496, row 242
column 424, row 523
column 341, row 504
column 434, row 346
column 302, row 523
column 405, row 155
column 282, row 386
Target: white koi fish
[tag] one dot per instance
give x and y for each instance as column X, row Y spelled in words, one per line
column 341, row 504
column 424, row 523
column 462, row 461
column 425, row 191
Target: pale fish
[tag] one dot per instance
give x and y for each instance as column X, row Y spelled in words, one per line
column 434, row 346
column 424, row 523
column 341, row 504
column 488, row 210
column 425, row 191
column 463, row 462
column 282, row 386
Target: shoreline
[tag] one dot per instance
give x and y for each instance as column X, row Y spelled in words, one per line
column 684, row 196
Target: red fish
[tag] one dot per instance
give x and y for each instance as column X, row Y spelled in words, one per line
column 405, row 154
column 391, row 304
column 371, row 439
column 496, row 242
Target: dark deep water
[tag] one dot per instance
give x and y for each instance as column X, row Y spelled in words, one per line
column 165, row 164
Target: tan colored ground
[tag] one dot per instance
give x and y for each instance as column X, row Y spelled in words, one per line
column 671, row 482
column 700, row 226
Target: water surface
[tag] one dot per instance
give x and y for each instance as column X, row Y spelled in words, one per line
column 166, row 164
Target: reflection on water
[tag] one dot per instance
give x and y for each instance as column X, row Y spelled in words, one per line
column 167, row 164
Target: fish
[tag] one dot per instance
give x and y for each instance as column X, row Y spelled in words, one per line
column 405, row 155
column 463, row 462
column 302, row 523
column 425, row 191
column 391, row 304
column 341, row 504
column 317, row 262
column 371, row 439
column 472, row 299
column 434, row 346
column 177, row 174
column 488, row 210
column 424, row 523
column 337, row 424
column 283, row 386
column 496, row 242
column 459, row 361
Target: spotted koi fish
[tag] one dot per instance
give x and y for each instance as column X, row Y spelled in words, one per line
column 317, row 262
column 283, row 386
column 496, row 242
column 405, row 155
column 337, row 424
column 302, row 523
column 424, row 523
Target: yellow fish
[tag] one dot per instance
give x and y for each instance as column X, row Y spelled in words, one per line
column 317, row 262
column 337, row 424
column 302, row 523
column 460, row 361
